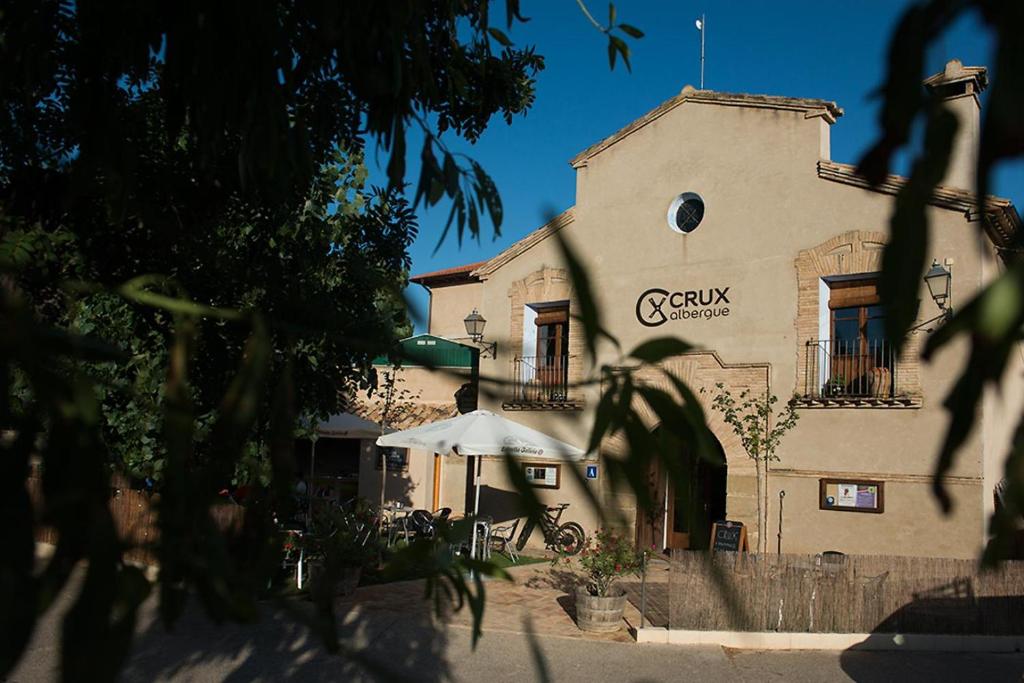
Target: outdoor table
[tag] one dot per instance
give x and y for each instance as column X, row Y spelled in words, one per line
column 395, row 517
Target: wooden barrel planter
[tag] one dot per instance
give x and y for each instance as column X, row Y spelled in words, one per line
column 600, row 614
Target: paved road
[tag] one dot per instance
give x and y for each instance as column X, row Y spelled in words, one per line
column 279, row 649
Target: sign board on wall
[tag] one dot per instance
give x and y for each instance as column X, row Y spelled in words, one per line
column 657, row 306
column 591, row 471
column 851, row 495
column 396, row 458
column 543, row 476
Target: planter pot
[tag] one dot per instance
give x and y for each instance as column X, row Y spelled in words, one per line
column 600, row 614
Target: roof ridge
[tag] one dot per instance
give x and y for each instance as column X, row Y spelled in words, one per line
column 551, row 227
column 1002, row 222
column 827, row 109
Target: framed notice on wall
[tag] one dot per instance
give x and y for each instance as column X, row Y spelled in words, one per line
column 543, row 476
column 397, row 458
column 851, row 495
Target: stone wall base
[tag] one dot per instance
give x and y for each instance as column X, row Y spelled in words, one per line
column 908, row 642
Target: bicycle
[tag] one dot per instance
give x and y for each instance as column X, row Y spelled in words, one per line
column 564, row 539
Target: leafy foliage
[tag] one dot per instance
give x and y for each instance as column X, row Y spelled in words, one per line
column 606, row 557
column 191, row 261
column 992, row 321
column 760, row 432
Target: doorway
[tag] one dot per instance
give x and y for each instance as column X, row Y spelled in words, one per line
column 685, row 510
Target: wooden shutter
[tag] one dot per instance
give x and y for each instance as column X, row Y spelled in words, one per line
column 853, row 293
column 552, row 316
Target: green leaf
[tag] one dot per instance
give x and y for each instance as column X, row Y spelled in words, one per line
column 499, row 36
column 623, row 49
column 905, row 256
column 631, row 31
column 590, row 316
column 451, row 175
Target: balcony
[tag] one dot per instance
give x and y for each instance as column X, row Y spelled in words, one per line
column 851, row 373
column 542, row 383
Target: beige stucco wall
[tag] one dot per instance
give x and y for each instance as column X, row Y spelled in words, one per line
column 449, row 307
column 413, row 488
column 765, row 202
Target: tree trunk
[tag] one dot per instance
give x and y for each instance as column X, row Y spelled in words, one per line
column 766, row 509
column 760, row 504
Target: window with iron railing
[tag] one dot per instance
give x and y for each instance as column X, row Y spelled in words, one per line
column 855, row 360
column 851, row 368
column 542, row 379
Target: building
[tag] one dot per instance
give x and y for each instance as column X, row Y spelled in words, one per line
column 721, row 218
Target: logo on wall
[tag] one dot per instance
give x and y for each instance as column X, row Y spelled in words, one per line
column 657, row 306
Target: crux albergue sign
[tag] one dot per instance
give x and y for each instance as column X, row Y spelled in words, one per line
column 657, row 306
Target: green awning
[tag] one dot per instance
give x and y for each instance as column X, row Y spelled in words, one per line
column 431, row 351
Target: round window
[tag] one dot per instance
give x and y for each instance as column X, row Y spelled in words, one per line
column 686, row 212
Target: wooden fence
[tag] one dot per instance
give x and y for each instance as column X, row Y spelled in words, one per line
column 844, row 594
column 134, row 518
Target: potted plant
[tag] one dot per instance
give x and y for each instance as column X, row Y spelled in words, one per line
column 835, row 386
column 605, row 558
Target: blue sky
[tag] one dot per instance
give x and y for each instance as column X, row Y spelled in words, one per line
column 829, row 50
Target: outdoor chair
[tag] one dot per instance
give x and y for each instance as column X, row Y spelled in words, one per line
column 421, row 524
column 502, row 539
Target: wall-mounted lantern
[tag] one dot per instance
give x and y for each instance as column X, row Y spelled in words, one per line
column 938, row 280
column 475, row 329
column 940, row 284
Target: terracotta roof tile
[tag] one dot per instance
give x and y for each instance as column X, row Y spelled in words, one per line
column 448, row 275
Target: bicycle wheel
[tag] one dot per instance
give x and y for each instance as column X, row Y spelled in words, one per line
column 569, row 539
column 524, row 535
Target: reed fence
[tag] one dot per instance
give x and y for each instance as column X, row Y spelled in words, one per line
column 134, row 518
column 842, row 594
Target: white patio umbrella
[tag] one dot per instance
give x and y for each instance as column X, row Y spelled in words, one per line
column 478, row 433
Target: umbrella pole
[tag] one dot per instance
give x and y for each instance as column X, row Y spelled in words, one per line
column 476, row 508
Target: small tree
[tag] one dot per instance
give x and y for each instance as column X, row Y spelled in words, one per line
column 750, row 417
column 391, row 401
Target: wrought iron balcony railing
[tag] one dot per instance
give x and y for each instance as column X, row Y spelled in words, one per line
column 541, row 380
column 850, row 369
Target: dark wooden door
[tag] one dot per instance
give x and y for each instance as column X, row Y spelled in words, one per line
column 682, row 514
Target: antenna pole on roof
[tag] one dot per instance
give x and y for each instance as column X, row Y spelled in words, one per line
column 700, row 27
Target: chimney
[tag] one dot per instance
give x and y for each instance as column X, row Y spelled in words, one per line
column 959, row 86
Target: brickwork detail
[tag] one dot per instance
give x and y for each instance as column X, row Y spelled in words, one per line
column 849, row 253
column 701, row 371
column 543, row 286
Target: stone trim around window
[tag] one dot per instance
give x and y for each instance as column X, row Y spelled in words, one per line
column 543, row 286
column 850, row 253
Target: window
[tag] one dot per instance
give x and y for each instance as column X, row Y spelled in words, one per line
column 686, row 212
column 553, row 351
column 860, row 357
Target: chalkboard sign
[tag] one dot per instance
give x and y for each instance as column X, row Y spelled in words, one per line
column 731, row 536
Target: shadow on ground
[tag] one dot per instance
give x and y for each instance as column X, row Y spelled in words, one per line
column 958, row 614
column 383, row 645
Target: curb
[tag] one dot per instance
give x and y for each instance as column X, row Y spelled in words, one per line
column 882, row 642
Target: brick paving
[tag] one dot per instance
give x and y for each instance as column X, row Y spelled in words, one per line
column 539, row 598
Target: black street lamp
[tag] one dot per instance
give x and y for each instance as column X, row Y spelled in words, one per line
column 938, row 280
column 475, row 329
